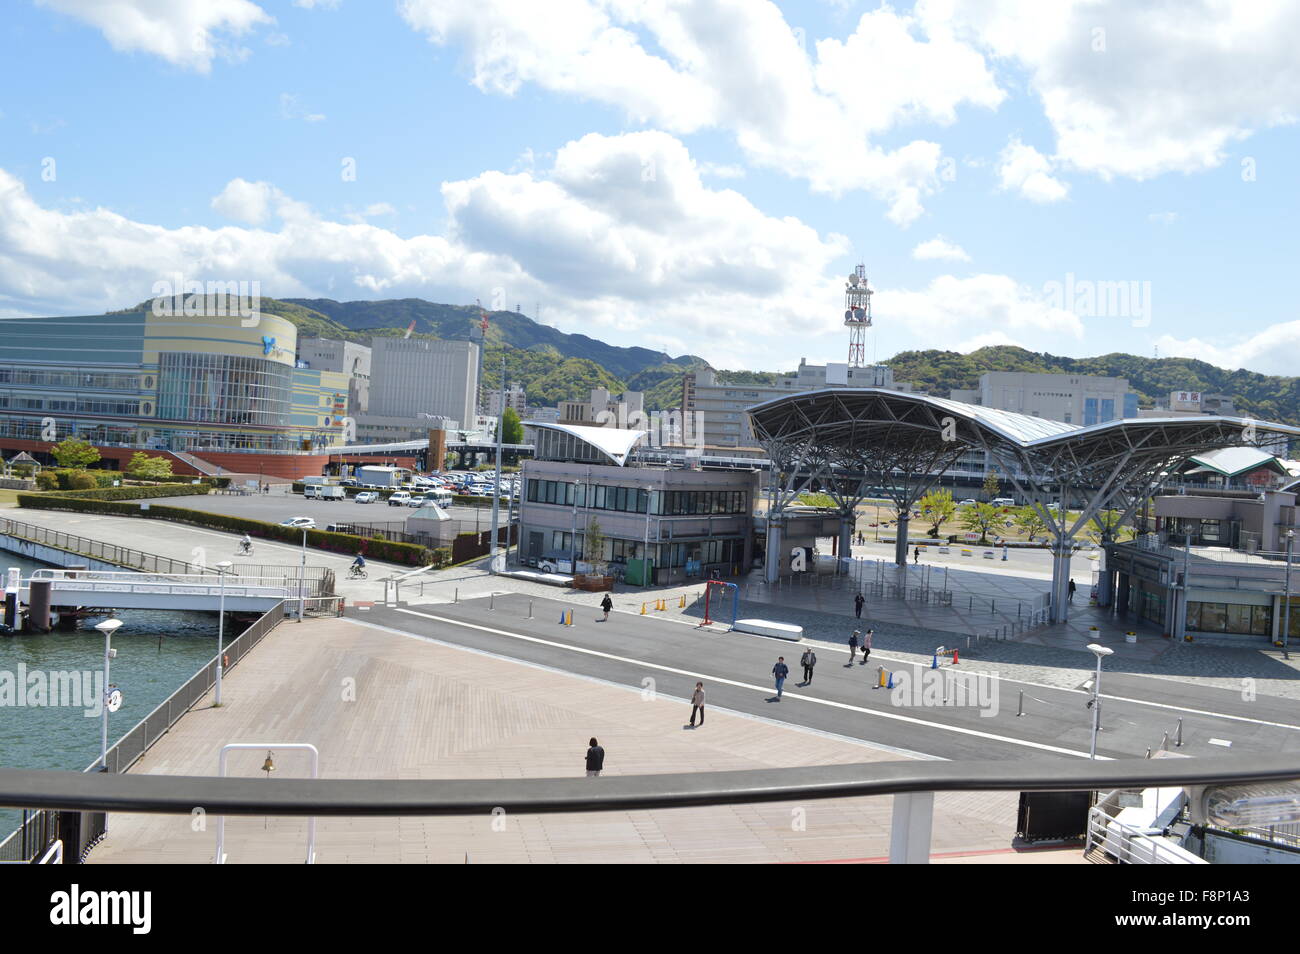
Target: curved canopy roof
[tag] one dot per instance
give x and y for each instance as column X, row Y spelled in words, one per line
column 863, row 426
column 613, row 443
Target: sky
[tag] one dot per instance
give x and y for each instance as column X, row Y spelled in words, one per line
column 697, row 176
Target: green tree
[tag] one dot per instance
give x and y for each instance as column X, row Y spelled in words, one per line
column 992, row 486
column 979, row 518
column 937, row 507
column 144, row 467
column 512, row 429
column 1106, row 526
column 74, row 453
column 593, row 547
column 1029, row 521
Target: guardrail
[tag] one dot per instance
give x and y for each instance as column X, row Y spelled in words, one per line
column 40, row 828
column 912, row 783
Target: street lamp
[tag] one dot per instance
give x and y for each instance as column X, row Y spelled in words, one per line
column 1100, row 652
column 302, row 575
column 107, row 627
column 573, row 537
column 222, row 567
column 1286, row 610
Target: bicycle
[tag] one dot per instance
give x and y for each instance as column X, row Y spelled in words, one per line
column 356, row 573
column 244, row 550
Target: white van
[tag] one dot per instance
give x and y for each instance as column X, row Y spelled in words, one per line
column 398, row 499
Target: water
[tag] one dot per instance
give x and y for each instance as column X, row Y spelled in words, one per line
column 157, row 652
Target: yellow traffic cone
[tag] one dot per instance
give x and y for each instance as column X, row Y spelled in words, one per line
column 642, row 609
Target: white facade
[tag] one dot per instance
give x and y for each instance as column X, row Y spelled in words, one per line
column 1078, row 399
column 414, row 376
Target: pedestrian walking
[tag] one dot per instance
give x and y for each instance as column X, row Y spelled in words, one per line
column 858, row 600
column 808, row 661
column 697, row 703
column 606, row 604
column 1070, row 594
column 853, row 645
column 916, row 556
column 595, row 758
column 866, row 645
column 780, row 671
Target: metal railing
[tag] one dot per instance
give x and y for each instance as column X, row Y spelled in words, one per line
column 913, row 783
column 39, row 828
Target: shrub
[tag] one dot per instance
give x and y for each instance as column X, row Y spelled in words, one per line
column 47, row 480
column 410, row 554
column 139, row 493
column 80, row 480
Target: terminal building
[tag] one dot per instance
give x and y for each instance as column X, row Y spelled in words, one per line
column 221, row 389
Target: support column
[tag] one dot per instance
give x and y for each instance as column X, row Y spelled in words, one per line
column 846, row 542
column 1121, row 595
column 900, row 544
column 909, row 836
column 1060, row 580
column 772, row 563
column 1105, row 586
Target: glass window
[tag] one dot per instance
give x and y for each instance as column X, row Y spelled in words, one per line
column 1239, row 618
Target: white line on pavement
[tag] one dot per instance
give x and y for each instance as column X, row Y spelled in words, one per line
column 745, row 685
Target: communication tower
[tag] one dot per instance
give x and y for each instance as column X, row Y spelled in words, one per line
column 857, row 315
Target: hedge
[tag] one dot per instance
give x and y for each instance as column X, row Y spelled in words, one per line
column 408, row 553
column 137, row 493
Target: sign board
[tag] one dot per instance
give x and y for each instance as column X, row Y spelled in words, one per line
column 972, row 537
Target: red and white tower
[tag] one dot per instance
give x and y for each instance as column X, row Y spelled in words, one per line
column 857, row 315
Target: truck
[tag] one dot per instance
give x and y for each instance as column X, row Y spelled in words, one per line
column 323, row 492
column 377, row 476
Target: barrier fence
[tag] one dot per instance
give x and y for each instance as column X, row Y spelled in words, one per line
column 38, row 829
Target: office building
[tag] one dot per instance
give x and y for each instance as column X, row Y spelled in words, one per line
column 624, row 410
column 343, row 357
column 414, row 376
column 221, row 388
column 515, row 397
column 1080, row 399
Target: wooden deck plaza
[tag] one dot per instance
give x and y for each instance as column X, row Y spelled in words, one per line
column 382, row 705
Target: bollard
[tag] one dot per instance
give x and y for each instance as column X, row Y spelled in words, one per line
column 530, row 609
column 954, row 656
column 880, row 677
column 890, row 683
column 1164, row 742
column 1020, row 708
column 1178, row 736
column 492, row 601
column 681, row 604
column 934, row 661
column 642, row 609
column 456, row 597
column 1148, row 753
column 561, row 617
column 570, row 617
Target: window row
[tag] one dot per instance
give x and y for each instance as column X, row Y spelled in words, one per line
column 674, row 503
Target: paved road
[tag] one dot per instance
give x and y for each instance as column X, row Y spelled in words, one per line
column 629, row 649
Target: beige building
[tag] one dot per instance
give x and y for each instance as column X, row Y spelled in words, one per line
column 1079, row 399
column 605, row 409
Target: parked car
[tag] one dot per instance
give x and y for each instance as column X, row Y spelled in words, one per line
column 399, row 499
column 967, row 503
column 299, row 523
column 560, row 563
column 348, row 481
column 366, row 496
column 1003, row 502
column 414, row 500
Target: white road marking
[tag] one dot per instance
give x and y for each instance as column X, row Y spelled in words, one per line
column 1223, row 742
column 745, row 685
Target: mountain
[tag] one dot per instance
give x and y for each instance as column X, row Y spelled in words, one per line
column 1270, row 397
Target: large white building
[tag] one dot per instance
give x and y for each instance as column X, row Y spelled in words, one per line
column 345, row 357
column 414, row 376
column 1081, row 399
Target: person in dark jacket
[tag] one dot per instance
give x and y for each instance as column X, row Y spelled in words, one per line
column 780, row 671
column 809, row 662
column 606, row 604
column 853, row 645
column 595, row 758
column 858, row 600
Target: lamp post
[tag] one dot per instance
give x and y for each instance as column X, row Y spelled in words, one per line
column 496, row 480
column 1286, row 609
column 107, row 627
column 1100, row 652
column 302, row 575
column 573, row 537
column 222, row 567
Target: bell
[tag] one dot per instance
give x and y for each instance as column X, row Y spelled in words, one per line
column 268, row 766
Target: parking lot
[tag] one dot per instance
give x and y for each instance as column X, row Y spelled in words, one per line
column 277, row 506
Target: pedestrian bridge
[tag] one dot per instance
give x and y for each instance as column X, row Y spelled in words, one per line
column 172, row 591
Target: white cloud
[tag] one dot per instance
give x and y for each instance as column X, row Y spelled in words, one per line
column 317, row 4
column 620, row 238
column 1025, row 170
column 291, row 108
column 185, row 33
column 1163, row 218
column 1272, row 350
column 737, row 65
column 951, row 308
column 939, row 248
column 1137, row 88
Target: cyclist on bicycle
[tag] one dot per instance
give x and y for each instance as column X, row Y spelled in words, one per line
column 246, row 544
column 358, row 565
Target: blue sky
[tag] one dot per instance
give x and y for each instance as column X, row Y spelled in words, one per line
column 696, row 177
